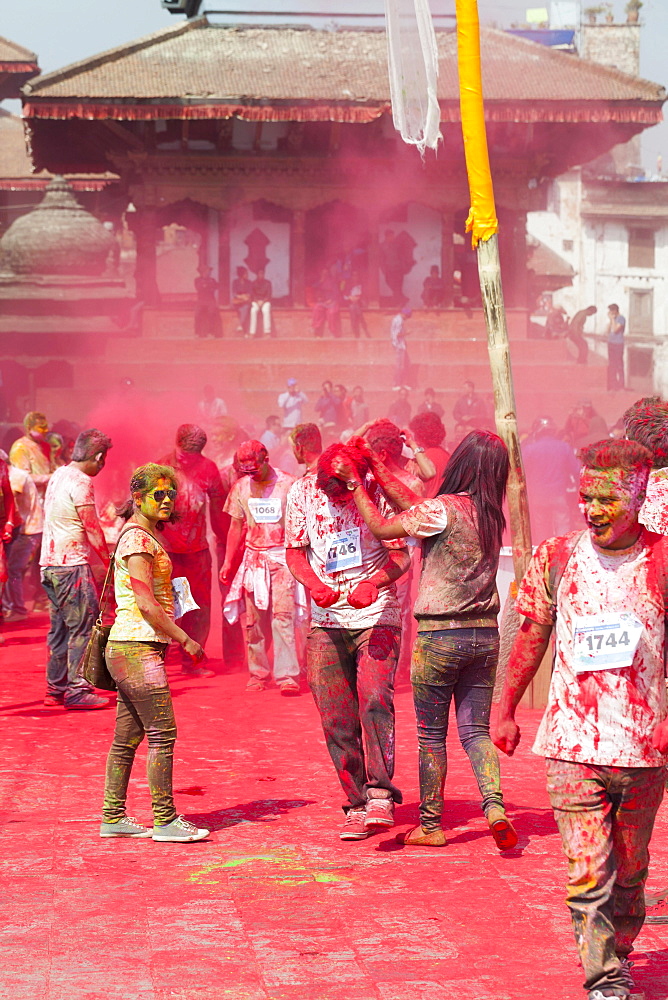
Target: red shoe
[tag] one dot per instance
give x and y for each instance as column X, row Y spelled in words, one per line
column 502, row 829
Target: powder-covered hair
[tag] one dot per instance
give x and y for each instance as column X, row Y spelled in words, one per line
column 191, row 438
column 252, row 450
column 383, row 435
column 89, row 444
column 307, row 436
column 330, row 484
column 32, row 418
column 628, row 456
column 428, row 429
column 646, row 423
column 144, row 479
column 479, row 466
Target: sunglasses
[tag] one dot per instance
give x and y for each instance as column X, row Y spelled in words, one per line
column 159, row 495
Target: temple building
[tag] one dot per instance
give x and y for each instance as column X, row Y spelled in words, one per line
column 275, row 146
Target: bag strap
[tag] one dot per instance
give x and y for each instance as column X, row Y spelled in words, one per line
column 112, row 562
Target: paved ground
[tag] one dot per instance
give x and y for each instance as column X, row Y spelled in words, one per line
column 273, row 906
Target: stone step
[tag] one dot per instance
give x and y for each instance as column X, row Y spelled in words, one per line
column 176, row 323
column 305, row 353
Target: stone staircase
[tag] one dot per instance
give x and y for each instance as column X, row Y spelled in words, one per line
column 446, row 347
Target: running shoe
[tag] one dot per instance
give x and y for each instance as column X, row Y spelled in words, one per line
column 87, row 702
column 179, row 831
column 126, row 827
column 54, row 700
column 379, row 811
column 354, row 828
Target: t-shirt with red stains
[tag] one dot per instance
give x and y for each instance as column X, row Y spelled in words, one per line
column 246, row 497
column 603, row 717
column 197, row 478
column 313, row 523
column 64, row 540
column 654, row 511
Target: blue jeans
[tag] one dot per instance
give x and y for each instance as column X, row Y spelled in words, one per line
column 459, row 662
column 74, row 609
column 20, row 553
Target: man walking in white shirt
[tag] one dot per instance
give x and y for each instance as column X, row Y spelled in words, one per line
column 72, row 532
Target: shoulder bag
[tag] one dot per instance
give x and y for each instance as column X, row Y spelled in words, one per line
column 94, row 666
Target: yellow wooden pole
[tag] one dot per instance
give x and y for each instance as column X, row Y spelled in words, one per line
column 483, row 225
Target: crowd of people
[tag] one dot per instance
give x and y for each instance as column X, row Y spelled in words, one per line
column 375, row 541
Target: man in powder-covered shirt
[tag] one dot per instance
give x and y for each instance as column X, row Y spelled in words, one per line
column 257, row 503
column 353, row 645
column 199, row 486
column 72, row 532
column 604, row 732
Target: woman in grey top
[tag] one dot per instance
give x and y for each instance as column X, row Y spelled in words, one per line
column 457, row 646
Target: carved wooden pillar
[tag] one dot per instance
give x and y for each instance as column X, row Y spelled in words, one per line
column 447, row 257
column 144, row 224
column 298, row 258
column 224, row 276
column 373, row 275
column 513, row 255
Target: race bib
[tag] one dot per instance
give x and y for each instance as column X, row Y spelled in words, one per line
column 605, row 641
column 344, row 551
column 265, row 511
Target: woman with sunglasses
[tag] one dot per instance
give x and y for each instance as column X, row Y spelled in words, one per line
column 135, row 656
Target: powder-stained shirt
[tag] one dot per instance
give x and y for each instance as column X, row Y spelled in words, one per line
column 130, row 625
column 313, row 523
column 197, row 479
column 27, row 501
column 64, row 540
column 245, row 498
column 457, row 585
column 607, row 716
column 654, row 511
column 28, row 454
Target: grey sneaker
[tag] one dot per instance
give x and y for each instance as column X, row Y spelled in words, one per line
column 354, row 828
column 86, row 702
column 126, row 827
column 179, row 831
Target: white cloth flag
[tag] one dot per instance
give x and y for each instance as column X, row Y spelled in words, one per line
column 413, row 66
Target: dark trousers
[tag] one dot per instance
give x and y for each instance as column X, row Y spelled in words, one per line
column 196, row 567
column 357, row 320
column 605, row 817
column 461, row 663
column 351, row 675
column 21, row 553
column 144, row 707
column 615, row 366
column 74, row 609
